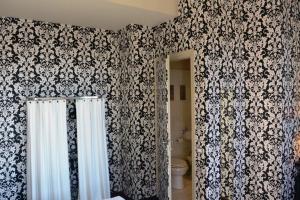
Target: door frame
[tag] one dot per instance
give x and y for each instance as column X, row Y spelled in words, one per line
column 188, row 54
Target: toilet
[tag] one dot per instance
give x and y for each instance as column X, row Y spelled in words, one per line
column 179, row 168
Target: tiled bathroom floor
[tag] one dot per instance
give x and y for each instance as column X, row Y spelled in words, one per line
column 186, row 192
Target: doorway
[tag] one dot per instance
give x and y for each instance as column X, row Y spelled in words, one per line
column 163, row 120
column 181, row 123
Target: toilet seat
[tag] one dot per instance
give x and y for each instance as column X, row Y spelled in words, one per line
column 178, row 163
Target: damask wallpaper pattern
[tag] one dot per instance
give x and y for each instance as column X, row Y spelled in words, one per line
column 162, row 138
column 246, row 67
column 247, row 56
column 136, row 47
column 44, row 59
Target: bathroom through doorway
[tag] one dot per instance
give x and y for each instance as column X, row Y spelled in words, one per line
column 181, row 125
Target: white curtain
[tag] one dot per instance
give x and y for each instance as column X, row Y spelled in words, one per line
column 92, row 150
column 47, row 151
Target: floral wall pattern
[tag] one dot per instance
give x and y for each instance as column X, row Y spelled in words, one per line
column 247, row 54
column 246, row 89
column 44, row 59
column 161, row 90
column 136, row 47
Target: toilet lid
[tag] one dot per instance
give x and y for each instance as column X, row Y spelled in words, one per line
column 175, row 162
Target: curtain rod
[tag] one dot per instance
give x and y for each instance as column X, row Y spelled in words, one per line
column 62, row 98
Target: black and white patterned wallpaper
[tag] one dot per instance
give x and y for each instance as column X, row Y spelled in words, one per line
column 136, row 47
column 43, row 59
column 247, row 58
column 161, row 89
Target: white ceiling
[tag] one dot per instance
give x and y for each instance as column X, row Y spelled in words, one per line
column 105, row 14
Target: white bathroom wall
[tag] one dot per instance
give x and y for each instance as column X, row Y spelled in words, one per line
column 180, row 109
